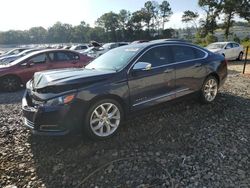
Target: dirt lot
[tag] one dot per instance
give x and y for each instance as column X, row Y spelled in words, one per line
column 181, row 144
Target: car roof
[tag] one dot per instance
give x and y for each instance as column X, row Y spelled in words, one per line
column 43, row 51
column 160, row 42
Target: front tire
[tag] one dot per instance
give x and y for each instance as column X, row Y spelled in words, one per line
column 103, row 119
column 10, row 83
column 209, row 90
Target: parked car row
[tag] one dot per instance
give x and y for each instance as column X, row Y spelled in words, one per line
column 98, row 98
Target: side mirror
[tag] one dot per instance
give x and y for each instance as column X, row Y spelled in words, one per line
column 142, row 66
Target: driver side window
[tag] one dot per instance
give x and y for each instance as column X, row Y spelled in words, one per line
column 157, row 56
column 229, row 46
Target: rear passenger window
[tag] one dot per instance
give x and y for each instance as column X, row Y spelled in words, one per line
column 157, row 56
column 60, row 56
column 186, row 53
column 63, row 56
column 72, row 56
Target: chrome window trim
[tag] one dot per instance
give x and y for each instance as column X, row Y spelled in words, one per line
column 159, row 97
column 179, row 62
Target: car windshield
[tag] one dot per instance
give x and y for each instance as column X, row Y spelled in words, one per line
column 216, row 45
column 114, row 59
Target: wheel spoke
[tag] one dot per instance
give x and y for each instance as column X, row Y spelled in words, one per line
column 115, row 117
column 97, row 114
column 107, row 127
column 110, row 106
column 113, row 113
column 99, row 126
column 94, row 120
column 104, row 111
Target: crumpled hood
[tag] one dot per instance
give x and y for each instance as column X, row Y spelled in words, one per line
column 70, row 76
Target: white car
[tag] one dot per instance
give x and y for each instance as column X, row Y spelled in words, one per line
column 231, row 50
column 80, row 47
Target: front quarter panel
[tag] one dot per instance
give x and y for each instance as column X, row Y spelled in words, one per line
column 114, row 87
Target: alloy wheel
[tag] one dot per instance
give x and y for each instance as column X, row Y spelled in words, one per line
column 210, row 89
column 10, row 84
column 105, row 119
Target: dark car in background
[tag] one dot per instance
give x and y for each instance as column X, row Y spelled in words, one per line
column 18, row 72
column 99, row 97
column 97, row 51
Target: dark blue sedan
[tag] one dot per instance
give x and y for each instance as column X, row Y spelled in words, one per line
column 97, row 98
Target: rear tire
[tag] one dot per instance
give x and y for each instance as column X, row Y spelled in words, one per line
column 240, row 57
column 209, row 90
column 10, row 83
column 103, row 119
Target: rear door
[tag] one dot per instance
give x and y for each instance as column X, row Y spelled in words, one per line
column 190, row 68
column 63, row 59
column 149, row 87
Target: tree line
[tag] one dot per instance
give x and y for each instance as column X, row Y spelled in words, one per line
column 146, row 23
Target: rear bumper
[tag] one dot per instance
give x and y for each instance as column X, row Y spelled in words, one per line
column 51, row 121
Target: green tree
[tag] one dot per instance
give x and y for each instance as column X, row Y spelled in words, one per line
column 124, row 17
column 109, row 21
column 37, row 35
column 243, row 9
column 212, row 9
column 229, row 10
column 190, row 16
column 165, row 12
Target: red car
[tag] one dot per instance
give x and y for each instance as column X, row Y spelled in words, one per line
column 18, row 72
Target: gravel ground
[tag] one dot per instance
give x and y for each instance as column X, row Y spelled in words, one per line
column 177, row 144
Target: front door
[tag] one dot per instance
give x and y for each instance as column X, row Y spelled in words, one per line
column 149, row 87
column 34, row 64
column 229, row 51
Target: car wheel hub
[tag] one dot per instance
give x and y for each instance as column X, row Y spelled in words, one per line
column 210, row 90
column 105, row 119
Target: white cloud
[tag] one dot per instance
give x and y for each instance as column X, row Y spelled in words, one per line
column 23, row 14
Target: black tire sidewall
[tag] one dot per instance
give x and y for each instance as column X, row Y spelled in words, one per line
column 86, row 125
column 18, row 83
column 203, row 98
column 240, row 57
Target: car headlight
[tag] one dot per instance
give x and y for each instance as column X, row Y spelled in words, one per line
column 60, row 100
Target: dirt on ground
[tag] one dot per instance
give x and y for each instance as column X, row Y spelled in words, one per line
column 177, row 144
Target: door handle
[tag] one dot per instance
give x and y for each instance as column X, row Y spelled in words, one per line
column 198, row 65
column 168, row 70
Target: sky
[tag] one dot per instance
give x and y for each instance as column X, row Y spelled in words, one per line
column 24, row 14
